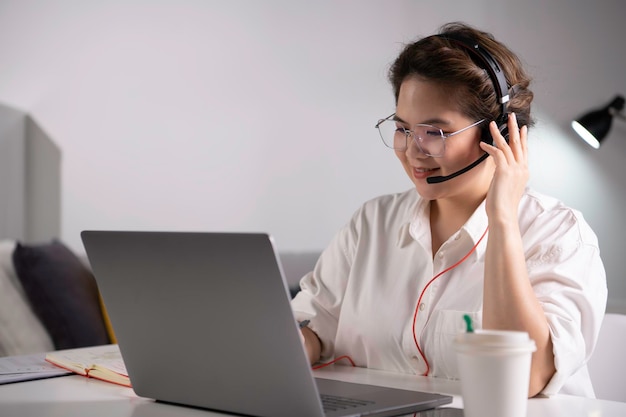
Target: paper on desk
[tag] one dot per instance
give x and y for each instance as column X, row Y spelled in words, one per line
column 107, row 356
column 26, row 368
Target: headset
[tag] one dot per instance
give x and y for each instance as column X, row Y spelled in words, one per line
column 486, row 61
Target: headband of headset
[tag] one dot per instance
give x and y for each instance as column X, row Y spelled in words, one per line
column 486, row 61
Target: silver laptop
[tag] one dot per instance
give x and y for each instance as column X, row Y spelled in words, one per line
column 204, row 320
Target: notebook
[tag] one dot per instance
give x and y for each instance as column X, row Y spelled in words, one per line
column 204, row 320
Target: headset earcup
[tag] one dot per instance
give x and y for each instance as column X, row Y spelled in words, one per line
column 486, row 137
column 503, row 127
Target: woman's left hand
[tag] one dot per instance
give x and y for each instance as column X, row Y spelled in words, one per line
column 511, row 174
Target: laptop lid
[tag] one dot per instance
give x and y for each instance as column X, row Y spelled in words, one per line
column 204, row 319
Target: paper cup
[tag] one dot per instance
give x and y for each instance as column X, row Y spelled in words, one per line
column 494, row 367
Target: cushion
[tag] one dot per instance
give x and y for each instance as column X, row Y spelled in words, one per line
column 296, row 265
column 62, row 292
column 21, row 332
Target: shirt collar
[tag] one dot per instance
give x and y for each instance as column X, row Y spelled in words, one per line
column 418, row 227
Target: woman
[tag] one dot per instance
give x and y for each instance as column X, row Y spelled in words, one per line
column 391, row 289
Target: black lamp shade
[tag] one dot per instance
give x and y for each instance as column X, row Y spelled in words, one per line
column 595, row 125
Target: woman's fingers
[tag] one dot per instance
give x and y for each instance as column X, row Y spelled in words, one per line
column 515, row 149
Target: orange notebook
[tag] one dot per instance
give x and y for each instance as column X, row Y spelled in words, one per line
column 101, row 362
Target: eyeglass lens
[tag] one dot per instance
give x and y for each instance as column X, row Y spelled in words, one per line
column 429, row 139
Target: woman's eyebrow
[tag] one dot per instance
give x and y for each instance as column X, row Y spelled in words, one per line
column 398, row 119
column 436, row 121
column 432, row 121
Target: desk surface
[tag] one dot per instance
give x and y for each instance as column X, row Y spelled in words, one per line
column 79, row 396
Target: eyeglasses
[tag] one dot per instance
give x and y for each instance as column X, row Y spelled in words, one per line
column 430, row 140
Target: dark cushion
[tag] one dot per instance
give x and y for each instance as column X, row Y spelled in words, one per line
column 63, row 294
column 296, row 265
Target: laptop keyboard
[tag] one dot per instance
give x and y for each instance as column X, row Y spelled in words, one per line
column 334, row 403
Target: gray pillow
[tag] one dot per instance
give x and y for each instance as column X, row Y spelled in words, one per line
column 62, row 292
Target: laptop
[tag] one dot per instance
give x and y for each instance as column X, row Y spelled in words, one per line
column 204, row 320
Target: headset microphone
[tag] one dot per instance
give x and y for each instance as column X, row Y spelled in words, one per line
column 442, row 178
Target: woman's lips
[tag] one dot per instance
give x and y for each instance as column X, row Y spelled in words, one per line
column 422, row 173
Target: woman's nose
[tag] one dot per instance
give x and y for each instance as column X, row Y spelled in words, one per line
column 413, row 150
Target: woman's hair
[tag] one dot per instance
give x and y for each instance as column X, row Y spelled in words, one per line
column 450, row 65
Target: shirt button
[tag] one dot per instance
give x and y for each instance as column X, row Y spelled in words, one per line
column 422, row 306
column 441, row 254
column 457, row 237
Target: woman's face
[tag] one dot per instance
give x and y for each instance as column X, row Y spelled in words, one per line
column 425, row 102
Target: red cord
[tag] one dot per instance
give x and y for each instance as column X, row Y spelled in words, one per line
column 333, row 361
column 424, row 290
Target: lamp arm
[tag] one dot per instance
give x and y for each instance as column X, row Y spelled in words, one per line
column 617, row 113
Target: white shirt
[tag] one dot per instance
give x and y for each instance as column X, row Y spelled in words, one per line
column 362, row 295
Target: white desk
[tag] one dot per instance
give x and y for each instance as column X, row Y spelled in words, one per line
column 79, row 396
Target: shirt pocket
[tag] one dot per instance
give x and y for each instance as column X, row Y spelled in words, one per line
column 445, row 325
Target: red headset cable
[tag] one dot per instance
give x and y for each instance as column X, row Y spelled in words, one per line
column 323, row 365
column 419, row 300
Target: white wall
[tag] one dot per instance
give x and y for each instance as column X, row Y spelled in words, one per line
column 246, row 115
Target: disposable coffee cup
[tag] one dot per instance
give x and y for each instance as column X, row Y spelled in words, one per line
column 494, row 368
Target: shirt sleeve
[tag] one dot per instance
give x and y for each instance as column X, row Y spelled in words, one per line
column 322, row 291
column 569, row 280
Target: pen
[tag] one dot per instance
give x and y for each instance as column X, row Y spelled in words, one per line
column 303, row 323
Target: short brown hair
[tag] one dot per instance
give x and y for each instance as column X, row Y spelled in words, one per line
column 437, row 59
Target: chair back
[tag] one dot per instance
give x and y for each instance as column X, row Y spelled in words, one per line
column 607, row 365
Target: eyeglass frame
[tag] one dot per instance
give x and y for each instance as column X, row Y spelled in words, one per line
column 409, row 132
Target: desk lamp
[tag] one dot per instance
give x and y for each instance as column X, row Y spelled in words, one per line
column 595, row 125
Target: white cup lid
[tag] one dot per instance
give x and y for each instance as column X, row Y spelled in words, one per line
column 494, row 339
